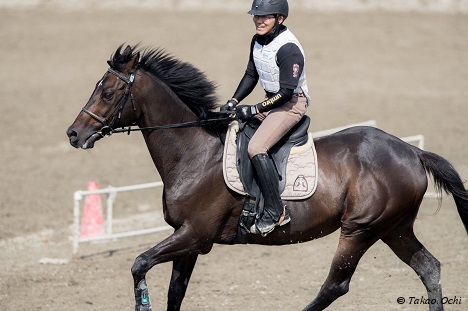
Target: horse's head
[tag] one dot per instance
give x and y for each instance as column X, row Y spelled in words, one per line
column 107, row 108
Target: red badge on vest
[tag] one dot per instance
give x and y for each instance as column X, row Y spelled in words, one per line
column 295, row 70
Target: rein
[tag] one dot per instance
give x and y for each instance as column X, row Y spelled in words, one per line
column 107, row 129
column 170, row 126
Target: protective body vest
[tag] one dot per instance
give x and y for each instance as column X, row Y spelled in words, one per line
column 268, row 70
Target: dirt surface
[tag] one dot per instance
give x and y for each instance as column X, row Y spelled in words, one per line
column 409, row 72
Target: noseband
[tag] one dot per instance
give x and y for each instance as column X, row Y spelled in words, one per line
column 119, row 106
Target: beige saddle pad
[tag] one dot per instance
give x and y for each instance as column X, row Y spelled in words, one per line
column 301, row 168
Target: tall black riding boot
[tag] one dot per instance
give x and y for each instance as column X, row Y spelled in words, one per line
column 269, row 186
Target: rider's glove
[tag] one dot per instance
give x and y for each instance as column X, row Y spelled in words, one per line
column 229, row 106
column 244, row 112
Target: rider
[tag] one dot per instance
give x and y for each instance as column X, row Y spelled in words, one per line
column 277, row 60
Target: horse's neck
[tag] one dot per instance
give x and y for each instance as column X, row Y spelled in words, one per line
column 181, row 153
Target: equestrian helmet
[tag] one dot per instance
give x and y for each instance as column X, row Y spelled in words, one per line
column 265, row 7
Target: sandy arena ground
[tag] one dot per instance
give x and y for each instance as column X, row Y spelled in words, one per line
column 407, row 71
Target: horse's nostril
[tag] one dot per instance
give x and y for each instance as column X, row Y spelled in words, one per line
column 72, row 135
column 71, row 132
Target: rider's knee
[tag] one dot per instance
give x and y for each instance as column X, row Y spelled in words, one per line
column 254, row 149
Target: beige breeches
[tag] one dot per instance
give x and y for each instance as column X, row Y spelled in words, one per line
column 275, row 124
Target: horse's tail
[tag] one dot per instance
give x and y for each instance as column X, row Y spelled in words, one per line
column 446, row 178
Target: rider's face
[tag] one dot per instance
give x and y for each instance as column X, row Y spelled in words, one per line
column 265, row 23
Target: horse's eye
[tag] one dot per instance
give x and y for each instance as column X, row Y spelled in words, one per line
column 107, row 95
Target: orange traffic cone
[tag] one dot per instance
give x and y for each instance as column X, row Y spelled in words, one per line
column 92, row 223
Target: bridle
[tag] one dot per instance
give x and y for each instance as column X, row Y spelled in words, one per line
column 107, row 127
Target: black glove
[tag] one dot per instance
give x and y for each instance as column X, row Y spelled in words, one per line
column 229, row 106
column 244, row 112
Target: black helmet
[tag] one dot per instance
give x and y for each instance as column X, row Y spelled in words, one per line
column 265, row 7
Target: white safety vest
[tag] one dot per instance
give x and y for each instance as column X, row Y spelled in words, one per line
column 268, row 71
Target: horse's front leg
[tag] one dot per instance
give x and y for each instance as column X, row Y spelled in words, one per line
column 181, row 271
column 182, row 247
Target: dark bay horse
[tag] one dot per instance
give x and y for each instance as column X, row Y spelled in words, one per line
column 370, row 184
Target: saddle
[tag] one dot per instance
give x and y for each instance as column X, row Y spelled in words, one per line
column 294, row 158
column 297, row 136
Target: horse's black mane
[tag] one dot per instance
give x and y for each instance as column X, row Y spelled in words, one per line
column 187, row 82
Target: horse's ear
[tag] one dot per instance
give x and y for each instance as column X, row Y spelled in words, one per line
column 137, row 57
column 133, row 62
column 109, row 63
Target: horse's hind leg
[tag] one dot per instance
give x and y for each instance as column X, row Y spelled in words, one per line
column 350, row 250
column 407, row 247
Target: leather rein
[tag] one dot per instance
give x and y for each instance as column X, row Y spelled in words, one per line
column 107, row 127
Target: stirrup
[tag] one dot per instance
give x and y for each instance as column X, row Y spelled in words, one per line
column 285, row 218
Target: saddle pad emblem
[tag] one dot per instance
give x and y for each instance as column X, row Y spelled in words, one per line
column 300, row 184
column 301, row 171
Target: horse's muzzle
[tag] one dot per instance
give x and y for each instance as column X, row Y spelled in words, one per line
column 87, row 143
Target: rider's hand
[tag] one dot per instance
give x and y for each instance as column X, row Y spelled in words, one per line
column 230, row 106
column 244, row 112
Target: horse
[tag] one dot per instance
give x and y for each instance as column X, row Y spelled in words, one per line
column 370, row 183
